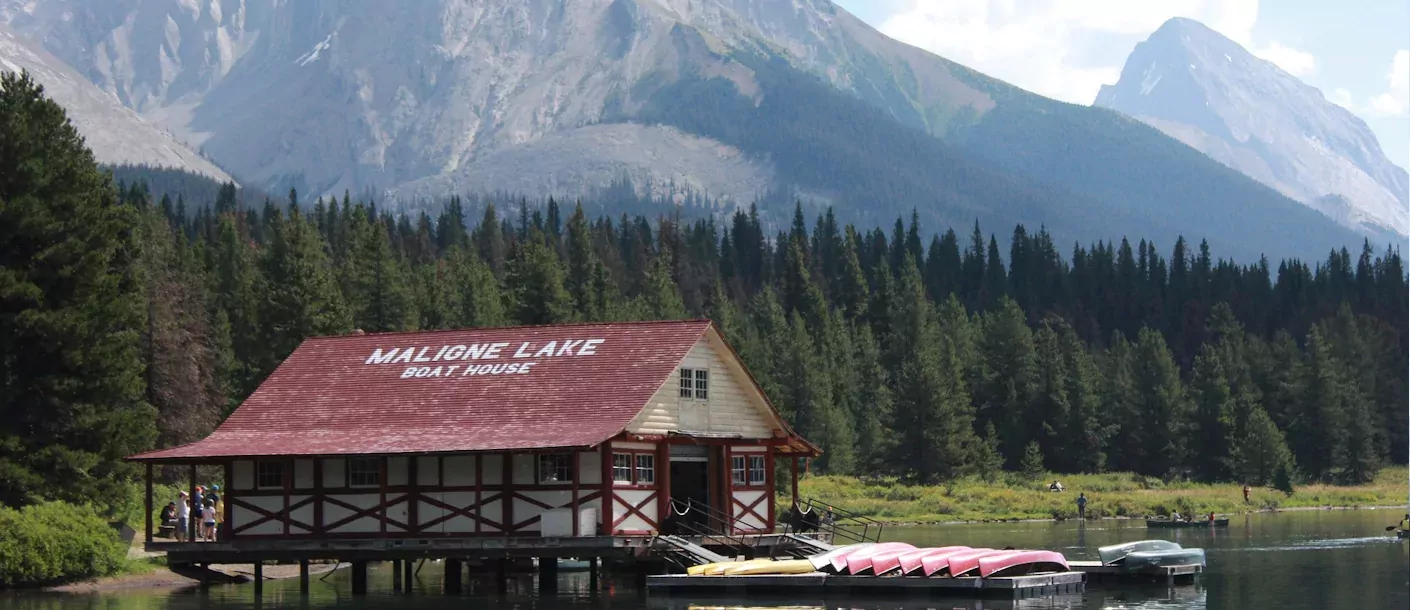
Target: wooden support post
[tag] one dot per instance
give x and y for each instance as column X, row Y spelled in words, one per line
column 259, row 579
column 548, row 574
column 227, row 524
column 359, row 578
column 452, row 578
column 149, row 503
column 501, row 575
column 663, row 484
column 193, row 523
column 506, row 502
column 609, row 500
column 795, row 481
column 396, row 575
column 592, row 574
column 303, row 577
column 409, row 574
column 772, row 488
column 573, row 504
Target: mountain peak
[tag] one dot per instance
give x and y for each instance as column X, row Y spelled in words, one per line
column 1211, row 93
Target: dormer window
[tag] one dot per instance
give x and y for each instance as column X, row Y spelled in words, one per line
column 695, row 384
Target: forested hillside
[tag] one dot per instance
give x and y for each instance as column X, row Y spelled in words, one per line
column 913, row 352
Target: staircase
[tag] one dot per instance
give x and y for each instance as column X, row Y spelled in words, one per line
column 687, row 553
column 808, row 545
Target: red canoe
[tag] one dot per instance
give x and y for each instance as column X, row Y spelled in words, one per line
column 962, row 564
column 888, row 561
column 860, row 561
column 933, row 565
column 1022, row 562
column 911, row 561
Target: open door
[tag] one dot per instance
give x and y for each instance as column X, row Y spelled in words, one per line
column 690, row 484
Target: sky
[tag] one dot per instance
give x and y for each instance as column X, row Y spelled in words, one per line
column 1356, row 51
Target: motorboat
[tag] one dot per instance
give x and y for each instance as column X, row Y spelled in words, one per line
column 1112, row 554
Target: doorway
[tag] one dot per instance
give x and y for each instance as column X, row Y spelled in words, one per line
column 690, row 484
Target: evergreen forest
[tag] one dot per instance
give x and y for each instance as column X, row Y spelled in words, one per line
column 130, row 321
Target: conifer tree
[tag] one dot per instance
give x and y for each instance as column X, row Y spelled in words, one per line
column 476, row 299
column 71, row 312
column 300, row 298
column 534, row 281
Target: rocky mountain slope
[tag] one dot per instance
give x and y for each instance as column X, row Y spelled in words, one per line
column 732, row 98
column 1207, row 91
column 116, row 134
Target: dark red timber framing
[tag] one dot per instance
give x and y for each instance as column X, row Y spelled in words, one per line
column 300, row 454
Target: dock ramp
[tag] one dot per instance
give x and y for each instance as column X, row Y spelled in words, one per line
column 685, row 549
column 811, row 545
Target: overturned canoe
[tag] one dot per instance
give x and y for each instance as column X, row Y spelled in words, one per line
column 1022, row 563
column 913, row 562
column 939, row 564
column 1177, row 524
column 962, row 564
column 1149, row 559
column 860, row 562
column 837, row 564
column 1116, row 552
column 791, row 566
column 824, row 560
column 747, row 566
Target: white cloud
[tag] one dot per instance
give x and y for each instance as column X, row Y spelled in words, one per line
column 1341, row 97
column 1294, row 62
column 1035, row 43
column 1396, row 100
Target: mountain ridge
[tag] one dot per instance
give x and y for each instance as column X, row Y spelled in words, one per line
column 1250, row 115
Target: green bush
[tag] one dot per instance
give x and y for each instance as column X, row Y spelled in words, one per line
column 56, row 542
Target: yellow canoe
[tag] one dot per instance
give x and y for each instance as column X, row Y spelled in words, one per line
column 747, row 565
column 705, row 568
column 792, row 566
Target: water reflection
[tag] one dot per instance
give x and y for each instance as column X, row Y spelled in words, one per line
column 1335, row 560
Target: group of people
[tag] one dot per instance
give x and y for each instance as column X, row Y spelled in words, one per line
column 207, row 511
column 1176, row 516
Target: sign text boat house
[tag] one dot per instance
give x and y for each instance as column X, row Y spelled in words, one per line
column 585, row 430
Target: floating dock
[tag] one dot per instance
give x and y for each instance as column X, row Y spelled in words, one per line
column 1171, row 575
column 793, row 585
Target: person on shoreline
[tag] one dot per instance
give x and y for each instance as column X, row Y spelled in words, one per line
column 1246, row 491
column 1056, row 486
column 1082, row 506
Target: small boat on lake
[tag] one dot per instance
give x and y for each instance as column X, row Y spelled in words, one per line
column 1022, row 563
column 1151, row 559
column 1402, row 534
column 1117, row 552
column 1167, row 523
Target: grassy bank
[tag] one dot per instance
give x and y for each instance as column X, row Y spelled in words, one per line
column 1109, row 495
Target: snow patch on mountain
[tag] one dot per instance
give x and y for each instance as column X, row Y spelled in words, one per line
column 1250, row 115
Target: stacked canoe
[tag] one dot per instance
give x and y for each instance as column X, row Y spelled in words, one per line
column 898, row 559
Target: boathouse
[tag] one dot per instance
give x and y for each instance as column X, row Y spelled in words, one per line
column 574, row 430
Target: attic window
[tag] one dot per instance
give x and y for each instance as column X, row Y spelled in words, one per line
column 695, row 384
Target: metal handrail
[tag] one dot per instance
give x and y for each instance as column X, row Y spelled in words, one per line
column 714, row 517
column 846, row 525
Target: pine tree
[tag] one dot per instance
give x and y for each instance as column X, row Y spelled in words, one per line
column 1032, row 464
column 660, row 297
column 1262, row 452
column 534, row 281
column 476, row 299
column 1163, row 404
column 1213, row 430
column 71, row 312
column 1007, row 374
column 300, row 298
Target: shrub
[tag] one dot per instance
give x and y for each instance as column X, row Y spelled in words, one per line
column 56, row 542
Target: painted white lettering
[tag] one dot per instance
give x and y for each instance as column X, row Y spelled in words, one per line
column 378, row 357
column 524, row 368
column 408, row 373
column 421, row 357
column 589, row 347
column 455, row 352
column 520, row 353
column 498, row 368
column 438, row 372
column 440, row 353
column 423, row 372
column 450, row 370
column 474, row 352
column 405, row 356
column 511, row 369
column 547, row 350
column 493, row 352
column 567, row 348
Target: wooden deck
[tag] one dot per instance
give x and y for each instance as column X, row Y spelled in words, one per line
column 807, row 585
column 1170, row 575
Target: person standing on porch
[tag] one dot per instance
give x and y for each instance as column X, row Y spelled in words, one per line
column 183, row 517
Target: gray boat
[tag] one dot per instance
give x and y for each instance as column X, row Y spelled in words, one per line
column 1111, row 555
column 1140, row 560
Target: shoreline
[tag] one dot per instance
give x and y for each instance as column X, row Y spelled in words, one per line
column 1262, row 511
column 165, row 578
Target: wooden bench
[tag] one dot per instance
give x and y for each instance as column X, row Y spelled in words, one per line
column 166, row 531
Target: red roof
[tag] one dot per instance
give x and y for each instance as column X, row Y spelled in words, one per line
column 518, row 388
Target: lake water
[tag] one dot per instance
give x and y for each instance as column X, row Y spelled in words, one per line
column 1321, row 559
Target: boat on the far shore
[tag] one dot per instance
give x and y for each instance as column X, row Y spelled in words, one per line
column 1167, row 523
